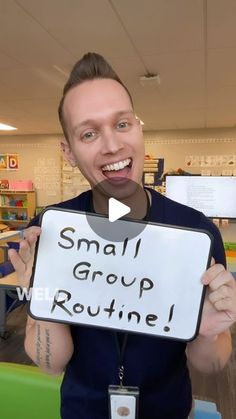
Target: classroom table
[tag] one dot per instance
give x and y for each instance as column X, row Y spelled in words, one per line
column 12, row 235
column 8, row 282
column 6, row 235
column 3, row 227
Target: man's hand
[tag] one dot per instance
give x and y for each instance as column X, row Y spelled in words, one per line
column 24, row 258
column 219, row 310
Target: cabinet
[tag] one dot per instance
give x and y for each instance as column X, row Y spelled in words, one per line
column 17, row 207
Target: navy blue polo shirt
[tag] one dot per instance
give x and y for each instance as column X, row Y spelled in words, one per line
column 156, row 365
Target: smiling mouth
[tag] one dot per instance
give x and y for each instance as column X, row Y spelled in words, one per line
column 118, row 166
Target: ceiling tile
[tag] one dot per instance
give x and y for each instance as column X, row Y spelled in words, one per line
column 221, row 30
column 82, row 26
column 26, row 40
column 157, row 26
column 162, row 36
column 24, row 83
column 223, row 96
column 222, row 67
column 221, row 117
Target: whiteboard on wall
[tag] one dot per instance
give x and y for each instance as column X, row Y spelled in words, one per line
column 148, row 284
column 215, row 196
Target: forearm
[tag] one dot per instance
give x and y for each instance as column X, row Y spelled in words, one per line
column 210, row 354
column 48, row 344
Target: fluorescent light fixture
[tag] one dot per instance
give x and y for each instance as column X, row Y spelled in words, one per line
column 4, row 127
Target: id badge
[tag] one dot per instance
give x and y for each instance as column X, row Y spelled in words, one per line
column 123, row 402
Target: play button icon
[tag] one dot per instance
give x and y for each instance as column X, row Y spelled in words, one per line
column 116, row 209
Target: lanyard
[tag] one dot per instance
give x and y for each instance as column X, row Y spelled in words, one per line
column 121, row 347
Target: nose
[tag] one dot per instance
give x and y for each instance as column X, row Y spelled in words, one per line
column 111, row 142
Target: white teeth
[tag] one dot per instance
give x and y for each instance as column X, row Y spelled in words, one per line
column 116, row 166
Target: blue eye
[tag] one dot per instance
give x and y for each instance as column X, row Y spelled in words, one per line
column 123, row 124
column 89, row 135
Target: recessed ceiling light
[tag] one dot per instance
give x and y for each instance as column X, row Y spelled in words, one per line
column 4, row 127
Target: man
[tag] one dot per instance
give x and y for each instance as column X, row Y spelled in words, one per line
column 104, row 139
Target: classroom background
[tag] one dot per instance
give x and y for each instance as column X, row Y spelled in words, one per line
column 177, row 58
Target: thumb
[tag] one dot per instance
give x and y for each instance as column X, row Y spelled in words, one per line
column 213, row 261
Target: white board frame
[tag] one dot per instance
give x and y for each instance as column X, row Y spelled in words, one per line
column 177, row 306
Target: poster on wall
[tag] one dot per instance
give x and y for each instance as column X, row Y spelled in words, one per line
column 47, row 177
column 210, row 160
column 9, row 161
column 153, row 171
column 13, row 161
column 3, row 161
column 73, row 182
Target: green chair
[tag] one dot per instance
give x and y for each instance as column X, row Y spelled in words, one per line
column 28, row 393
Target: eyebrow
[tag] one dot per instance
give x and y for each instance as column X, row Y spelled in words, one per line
column 92, row 121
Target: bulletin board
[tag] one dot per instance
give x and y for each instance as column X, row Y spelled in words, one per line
column 148, row 284
column 35, row 158
column 73, row 182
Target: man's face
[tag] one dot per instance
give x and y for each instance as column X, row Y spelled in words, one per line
column 105, row 138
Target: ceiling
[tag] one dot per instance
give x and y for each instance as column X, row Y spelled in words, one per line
column 190, row 43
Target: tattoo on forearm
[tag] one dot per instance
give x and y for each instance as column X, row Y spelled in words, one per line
column 38, row 345
column 48, row 353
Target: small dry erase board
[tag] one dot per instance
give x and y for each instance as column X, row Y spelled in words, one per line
column 149, row 283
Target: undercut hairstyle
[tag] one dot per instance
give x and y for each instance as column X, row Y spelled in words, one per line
column 90, row 67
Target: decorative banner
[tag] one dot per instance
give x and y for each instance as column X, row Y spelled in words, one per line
column 13, row 162
column 210, row 160
column 9, row 161
column 3, row 161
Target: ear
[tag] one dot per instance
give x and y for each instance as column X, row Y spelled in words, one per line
column 140, row 124
column 68, row 153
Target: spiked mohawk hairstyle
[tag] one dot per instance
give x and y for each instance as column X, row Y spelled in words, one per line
column 91, row 66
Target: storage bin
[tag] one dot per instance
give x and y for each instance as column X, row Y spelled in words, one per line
column 21, row 185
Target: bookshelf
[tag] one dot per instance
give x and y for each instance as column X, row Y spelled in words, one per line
column 17, row 207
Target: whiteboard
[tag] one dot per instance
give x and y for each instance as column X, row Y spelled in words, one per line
column 149, row 284
column 215, row 196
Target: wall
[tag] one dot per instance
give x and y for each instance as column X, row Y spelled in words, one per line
column 40, row 157
column 174, row 146
column 39, row 161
